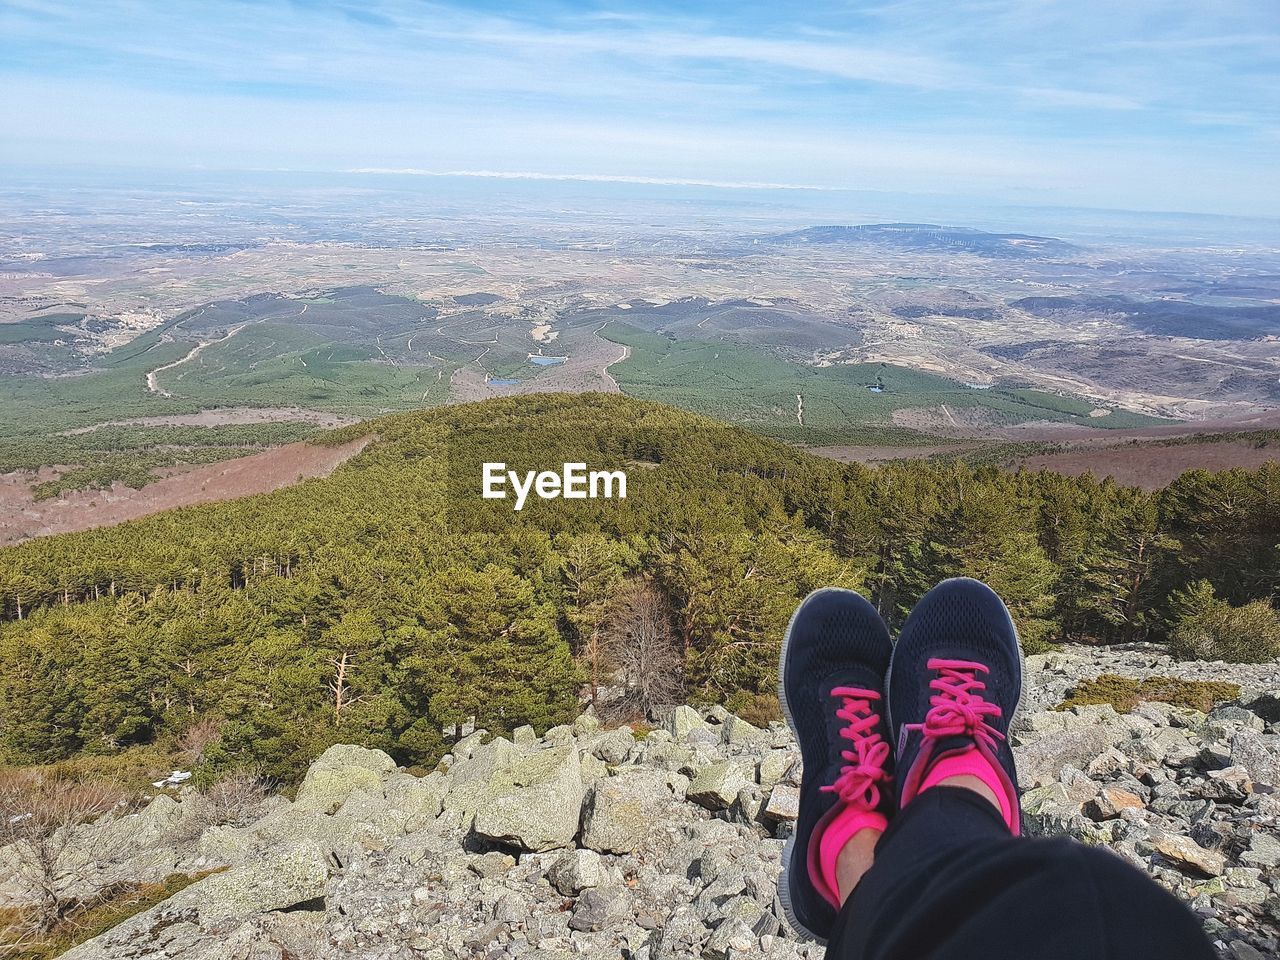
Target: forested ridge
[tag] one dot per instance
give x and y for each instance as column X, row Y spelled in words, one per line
column 388, row 604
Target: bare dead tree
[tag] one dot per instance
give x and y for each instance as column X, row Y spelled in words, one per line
column 198, row 737
column 236, row 800
column 48, row 826
column 638, row 638
column 340, row 685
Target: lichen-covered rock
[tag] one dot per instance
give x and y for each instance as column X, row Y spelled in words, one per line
column 338, row 773
column 717, row 785
column 683, row 721
column 621, row 810
column 735, row 732
column 1186, row 853
column 420, row 799
column 534, row 801
column 197, row 921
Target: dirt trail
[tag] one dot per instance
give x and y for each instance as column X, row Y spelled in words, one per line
column 604, row 371
column 155, row 387
column 23, row 518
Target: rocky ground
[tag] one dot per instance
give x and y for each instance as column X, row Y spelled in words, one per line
column 589, row 842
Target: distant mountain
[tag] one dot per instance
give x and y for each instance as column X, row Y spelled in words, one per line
column 929, row 237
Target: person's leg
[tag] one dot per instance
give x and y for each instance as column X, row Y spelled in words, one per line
column 950, row 882
column 833, row 662
column 949, row 878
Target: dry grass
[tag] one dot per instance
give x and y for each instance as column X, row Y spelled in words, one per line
column 20, row 938
column 1125, row 693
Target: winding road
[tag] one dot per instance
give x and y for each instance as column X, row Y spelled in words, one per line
column 154, row 386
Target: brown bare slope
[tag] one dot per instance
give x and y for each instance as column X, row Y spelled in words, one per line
column 1152, row 465
column 22, row 517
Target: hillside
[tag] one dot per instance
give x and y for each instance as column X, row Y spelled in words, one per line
column 666, row 843
column 389, row 605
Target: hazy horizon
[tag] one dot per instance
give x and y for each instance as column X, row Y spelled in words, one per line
column 1163, row 106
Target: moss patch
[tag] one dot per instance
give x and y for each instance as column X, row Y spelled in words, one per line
column 1125, row 693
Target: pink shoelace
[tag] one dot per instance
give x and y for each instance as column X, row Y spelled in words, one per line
column 957, row 706
column 859, row 780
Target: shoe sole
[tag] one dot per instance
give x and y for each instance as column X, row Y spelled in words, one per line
column 1022, row 667
column 784, row 881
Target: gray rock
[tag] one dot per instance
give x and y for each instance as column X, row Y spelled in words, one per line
column 1048, row 810
column 419, row 799
column 537, row 803
column 598, row 910
column 593, row 769
column 490, row 865
column 783, row 804
column 511, row 908
column 730, row 937
column 560, row 736
column 737, row 732
column 773, row 766
column 1267, row 706
column 1263, row 851
column 341, row 771
column 614, row 746
column 706, row 737
column 207, row 912
column 473, row 779
column 1040, row 760
column 1186, row 853
column 1111, row 801
column 716, row 786
column 683, row 720
column 621, row 810
column 576, row 871
column 377, row 864
column 1259, row 754
column 465, row 748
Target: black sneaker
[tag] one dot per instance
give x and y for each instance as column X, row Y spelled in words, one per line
column 954, row 686
column 831, row 681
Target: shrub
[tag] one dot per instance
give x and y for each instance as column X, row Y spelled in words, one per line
column 20, row 940
column 1125, row 693
column 53, row 853
column 1207, row 628
column 132, row 769
column 758, row 709
column 235, row 800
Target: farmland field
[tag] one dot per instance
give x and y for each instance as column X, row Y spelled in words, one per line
column 821, row 405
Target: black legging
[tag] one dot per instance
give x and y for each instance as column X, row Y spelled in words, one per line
column 950, row 883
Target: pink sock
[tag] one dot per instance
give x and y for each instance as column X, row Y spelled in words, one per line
column 971, row 763
column 835, row 835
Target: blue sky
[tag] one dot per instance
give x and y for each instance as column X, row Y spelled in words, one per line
column 1138, row 104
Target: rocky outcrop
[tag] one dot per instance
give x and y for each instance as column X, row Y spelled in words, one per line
column 586, row 842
